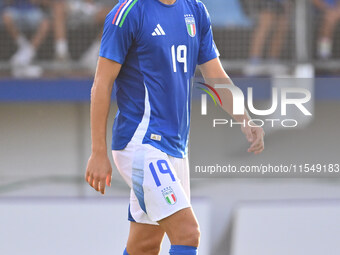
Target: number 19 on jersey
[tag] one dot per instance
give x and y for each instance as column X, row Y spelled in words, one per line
column 179, row 55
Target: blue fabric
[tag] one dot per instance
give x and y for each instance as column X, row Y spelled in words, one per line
column 138, row 177
column 183, row 250
column 125, row 252
column 164, row 63
column 79, row 90
column 130, row 218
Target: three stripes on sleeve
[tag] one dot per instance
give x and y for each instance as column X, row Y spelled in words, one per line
column 123, row 11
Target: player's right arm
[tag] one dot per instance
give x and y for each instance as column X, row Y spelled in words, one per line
column 99, row 170
column 120, row 28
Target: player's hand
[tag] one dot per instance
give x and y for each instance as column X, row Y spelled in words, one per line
column 99, row 171
column 255, row 137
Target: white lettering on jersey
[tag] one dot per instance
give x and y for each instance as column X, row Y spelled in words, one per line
column 180, row 58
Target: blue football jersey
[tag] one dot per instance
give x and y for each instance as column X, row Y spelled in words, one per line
column 159, row 47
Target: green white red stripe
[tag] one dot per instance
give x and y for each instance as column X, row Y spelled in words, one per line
column 123, row 11
column 171, row 199
column 191, row 29
column 169, row 195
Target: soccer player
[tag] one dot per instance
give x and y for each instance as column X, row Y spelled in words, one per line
column 149, row 50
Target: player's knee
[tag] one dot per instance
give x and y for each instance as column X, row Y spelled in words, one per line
column 147, row 247
column 193, row 237
column 149, row 250
column 188, row 235
column 153, row 250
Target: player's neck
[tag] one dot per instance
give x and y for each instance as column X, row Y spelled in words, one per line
column 168, row 2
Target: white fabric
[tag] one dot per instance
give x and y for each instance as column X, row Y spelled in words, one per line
column 133, row 163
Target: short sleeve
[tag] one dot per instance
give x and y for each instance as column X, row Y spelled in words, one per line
column 119, row 32
column 208, row 49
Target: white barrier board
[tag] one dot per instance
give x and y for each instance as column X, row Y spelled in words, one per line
column 287, row 228
column 73, row 226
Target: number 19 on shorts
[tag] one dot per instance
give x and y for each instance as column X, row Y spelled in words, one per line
column 163, row 168
column 179, row 55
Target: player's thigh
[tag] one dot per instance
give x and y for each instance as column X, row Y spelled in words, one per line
column 182, row 227
column 144, row 239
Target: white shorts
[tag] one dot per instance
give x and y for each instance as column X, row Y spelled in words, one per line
column 159, row 183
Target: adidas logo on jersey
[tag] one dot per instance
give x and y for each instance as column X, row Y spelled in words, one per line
column 158, row 31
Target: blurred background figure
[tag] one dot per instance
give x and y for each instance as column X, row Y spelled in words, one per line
column 59, row 25
column 330, row 10
column 273, row 17
column 79, row 11
column 18, row 15
column 256, row 38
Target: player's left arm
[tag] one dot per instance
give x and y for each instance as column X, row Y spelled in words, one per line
column 213, row 72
